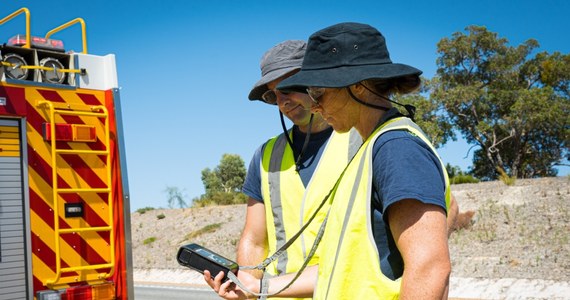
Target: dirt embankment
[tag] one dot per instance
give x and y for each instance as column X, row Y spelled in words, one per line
column 519, row 231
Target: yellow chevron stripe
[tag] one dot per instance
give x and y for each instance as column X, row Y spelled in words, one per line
column 69, row 96
column 43, row 272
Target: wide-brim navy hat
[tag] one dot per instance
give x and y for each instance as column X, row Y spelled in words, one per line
column 342, row 55
column 278, row 61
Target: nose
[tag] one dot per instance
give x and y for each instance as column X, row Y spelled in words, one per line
column 282, row 99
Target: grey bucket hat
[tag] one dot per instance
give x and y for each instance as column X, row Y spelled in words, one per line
column 342, row 55
column 283, row 58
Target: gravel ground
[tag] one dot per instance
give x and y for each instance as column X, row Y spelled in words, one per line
column 516, row 247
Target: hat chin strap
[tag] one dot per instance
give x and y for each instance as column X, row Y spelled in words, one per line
column 409, row 108
column 384, row 108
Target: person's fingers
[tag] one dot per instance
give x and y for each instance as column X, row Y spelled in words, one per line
column 213, row 282
column 227, row 286
column 218, row 282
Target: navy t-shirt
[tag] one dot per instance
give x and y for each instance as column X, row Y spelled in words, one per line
column 404, row 167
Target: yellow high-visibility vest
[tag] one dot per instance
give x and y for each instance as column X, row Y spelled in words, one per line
column 349, row 267
column 288, row 205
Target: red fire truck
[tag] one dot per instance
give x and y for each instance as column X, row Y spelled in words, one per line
column 64, row 202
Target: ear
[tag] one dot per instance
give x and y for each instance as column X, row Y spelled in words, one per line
column 358, row 90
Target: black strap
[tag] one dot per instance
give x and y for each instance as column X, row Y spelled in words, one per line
column 384, row 108
column 290, row 142
column 409, row 108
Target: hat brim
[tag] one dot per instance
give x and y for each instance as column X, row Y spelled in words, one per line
column 344, row 76
column 260, row 87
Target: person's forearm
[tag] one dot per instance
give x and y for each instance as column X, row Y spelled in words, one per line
column 304, row 286
column 430, row 282
column 252, row 246
column 251, row 253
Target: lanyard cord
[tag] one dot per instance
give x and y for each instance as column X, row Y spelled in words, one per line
column 284, row 247
column 264, row 285
column 305, row 143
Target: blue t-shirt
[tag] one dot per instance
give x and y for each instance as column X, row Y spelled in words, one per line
column 404, row 167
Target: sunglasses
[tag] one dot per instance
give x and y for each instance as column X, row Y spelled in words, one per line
column 315, row 93
column 270, row 96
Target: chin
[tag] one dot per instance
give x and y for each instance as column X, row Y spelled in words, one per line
column 300, row 119
column 340, row 129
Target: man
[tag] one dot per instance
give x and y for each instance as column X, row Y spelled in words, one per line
column 282, row 169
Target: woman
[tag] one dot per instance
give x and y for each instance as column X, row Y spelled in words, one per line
column 395, row 180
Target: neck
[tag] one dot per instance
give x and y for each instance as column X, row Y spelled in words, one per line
column 371, row 108
column 369, row 118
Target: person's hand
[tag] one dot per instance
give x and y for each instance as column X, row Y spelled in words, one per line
column 229, row 290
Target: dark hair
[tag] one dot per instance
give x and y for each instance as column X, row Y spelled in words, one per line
column 397, row 85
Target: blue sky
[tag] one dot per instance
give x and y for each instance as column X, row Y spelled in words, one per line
column 185, row 68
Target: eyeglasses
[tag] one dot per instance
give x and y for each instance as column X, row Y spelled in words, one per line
column 270, row 96
column 315, row 93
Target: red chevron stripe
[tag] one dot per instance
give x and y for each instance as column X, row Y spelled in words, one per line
column 35, row 120
column 41, row 208
column 89, row 99
column 84, row 170
column 42, row 251
column 15, row 106
column 50, row 95
column 83, row 248
column 38, row 285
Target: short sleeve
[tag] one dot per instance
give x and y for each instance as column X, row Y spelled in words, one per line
column 406, row 168
column 252, row 184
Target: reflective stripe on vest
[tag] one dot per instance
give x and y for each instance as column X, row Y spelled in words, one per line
column 292, row 204
column 349, row 266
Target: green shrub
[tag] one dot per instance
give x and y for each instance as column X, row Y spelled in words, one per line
column 463, row 178
column 202, row 202
column 149, row 240
column 220, row 198
column 205, row 229
column 160, row 216
column 144, row 209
